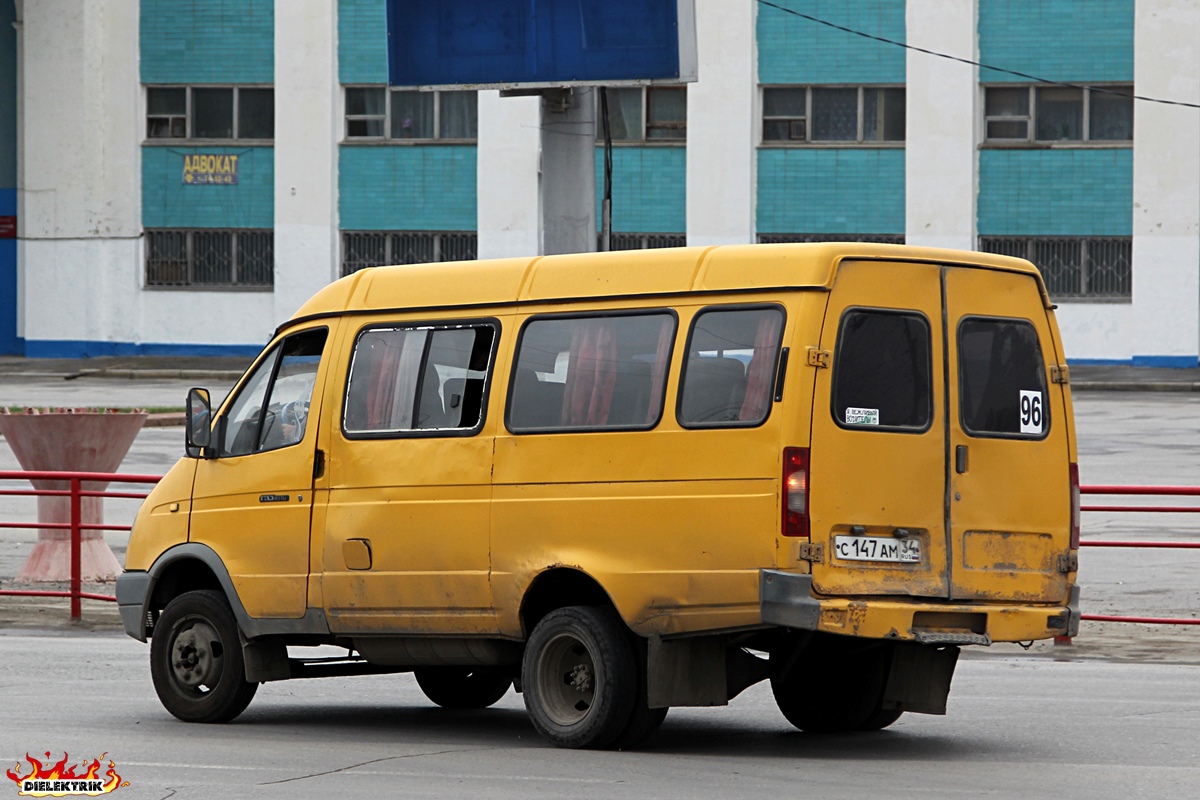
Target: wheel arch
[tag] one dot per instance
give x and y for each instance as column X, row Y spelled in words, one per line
column 185, row 568
column 557, row 587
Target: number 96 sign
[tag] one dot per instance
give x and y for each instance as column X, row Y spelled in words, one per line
column 1031, row 412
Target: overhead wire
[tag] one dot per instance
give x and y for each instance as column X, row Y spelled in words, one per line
column 960, row 59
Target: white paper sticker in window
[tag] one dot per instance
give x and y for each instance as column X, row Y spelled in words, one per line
column 862, row 416
column 1031, row 412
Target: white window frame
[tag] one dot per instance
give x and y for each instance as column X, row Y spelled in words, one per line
column 189, row 114
column 387, row 119
column 808, row 141
column 643, row 137
column 1030, row 119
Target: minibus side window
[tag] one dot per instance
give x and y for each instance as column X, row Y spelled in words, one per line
column 285, row 378
column 591, row 373
column 418, row 379
column 729, row 374
column 882, row 371
column 1002, row 379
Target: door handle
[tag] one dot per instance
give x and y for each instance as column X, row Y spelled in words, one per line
column 960, row 459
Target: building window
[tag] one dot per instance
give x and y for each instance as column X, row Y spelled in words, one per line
column 645, row 114
column 789, row 238
column 647, row 241
column 374, row 113
column 211, row 113
column 1022, row 114
column 210, row 258
column 379, row 248
column 802, row 115
column 1095, row 267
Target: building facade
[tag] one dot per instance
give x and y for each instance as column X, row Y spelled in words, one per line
column 179, row 177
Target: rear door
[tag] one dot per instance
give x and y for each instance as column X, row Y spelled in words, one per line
column 1009, row 471
column 877, row 487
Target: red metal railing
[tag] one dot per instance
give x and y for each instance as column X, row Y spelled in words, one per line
column 1142, row 491
column 76, row 526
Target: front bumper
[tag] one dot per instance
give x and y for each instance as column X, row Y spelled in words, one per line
column 786, row 599
column 132, row 588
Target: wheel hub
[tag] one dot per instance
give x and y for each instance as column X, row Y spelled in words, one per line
column 195, row 656
column 579, row 678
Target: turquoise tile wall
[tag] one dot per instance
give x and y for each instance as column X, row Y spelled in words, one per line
column 167, row 202
column 416, row 188
column 649, row 189
column 1061, row 192
column 1057, row 40
column 796, row 50
column 215, row 41
column 362, row 41
column 814, row 190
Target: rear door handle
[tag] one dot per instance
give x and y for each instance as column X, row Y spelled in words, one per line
column 960, row 459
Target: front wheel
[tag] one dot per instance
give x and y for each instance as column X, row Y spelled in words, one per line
column 580, row 677
column 196, row 659
column 462, row 687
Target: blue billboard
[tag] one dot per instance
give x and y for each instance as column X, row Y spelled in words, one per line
column 530, row 43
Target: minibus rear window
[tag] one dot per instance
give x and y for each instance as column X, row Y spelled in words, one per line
column 591, row 372
column 882, row 371
column 1002, row 379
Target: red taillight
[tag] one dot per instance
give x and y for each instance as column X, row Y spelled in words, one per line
column 795, row 491
column 1074, row 506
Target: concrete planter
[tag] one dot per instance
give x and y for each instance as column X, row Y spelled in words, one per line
column 73, row 440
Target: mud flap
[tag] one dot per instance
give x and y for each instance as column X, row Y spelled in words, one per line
column 919, row 678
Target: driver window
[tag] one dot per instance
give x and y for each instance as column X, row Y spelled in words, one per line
column 271, row 410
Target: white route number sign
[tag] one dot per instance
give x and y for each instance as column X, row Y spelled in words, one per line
column 1032, row 412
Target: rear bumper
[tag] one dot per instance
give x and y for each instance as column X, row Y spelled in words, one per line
column 787, row 599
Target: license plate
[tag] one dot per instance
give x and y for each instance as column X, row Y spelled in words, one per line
column 877, row 548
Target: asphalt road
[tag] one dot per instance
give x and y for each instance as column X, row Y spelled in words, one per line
column 1016, row 728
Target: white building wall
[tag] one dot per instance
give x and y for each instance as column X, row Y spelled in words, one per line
column 723, row 126
column 78, row 172
column 941, row 141
column 508, row 217
column 1166, row 183
column 308, row 119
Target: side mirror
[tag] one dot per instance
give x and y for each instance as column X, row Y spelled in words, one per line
column 198, row 431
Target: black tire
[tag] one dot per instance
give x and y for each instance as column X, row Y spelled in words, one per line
column 462, row 687
column 579, row 677
column 645, row 721
column 834, row 688
column 880, row 719
column 196, row 659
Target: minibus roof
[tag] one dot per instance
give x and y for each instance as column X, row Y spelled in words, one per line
column 628, row 273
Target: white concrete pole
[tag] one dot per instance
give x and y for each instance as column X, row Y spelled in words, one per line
column 1166, row 184
column 569, row 171
column 308, row 103
column 724, row 126
column 941, row 156
column 508, row 216
column 78, row 191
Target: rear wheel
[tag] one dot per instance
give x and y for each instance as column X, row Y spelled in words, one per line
column 579, row 677
column 196, row 659
column 462, row 687
column 834, row 687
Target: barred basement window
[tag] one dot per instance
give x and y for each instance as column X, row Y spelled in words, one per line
column 380, row 248
column 1092, row 268
column 241, row 258
column 647, row 241
column 787, row 238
